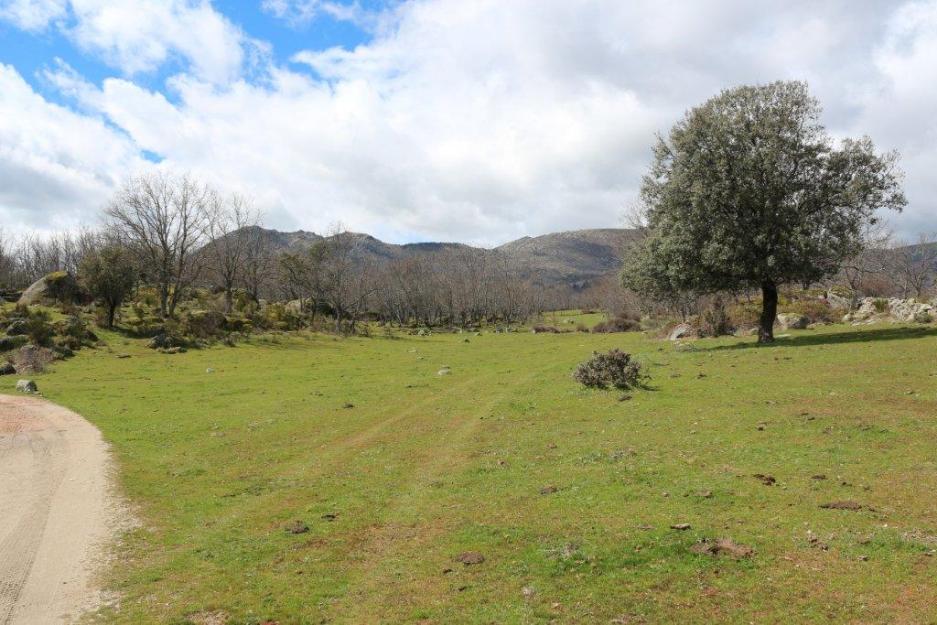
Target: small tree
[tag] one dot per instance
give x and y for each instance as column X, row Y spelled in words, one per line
column 748, row 191
column 109, row 275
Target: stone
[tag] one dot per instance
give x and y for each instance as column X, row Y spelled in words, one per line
column 793, row 321
column 7, row 368
column 682, row 331
column 59, row 286
column 26, row 386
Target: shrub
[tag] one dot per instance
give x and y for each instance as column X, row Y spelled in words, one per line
column 813, row 309
column 38, row 328
column 715, row 320
column 923, row 317
column 543, row 329
column 881, row 305
column 32, row 359
column 621, row 323
column 203, row 324
column 9, row 343
column 614, row 368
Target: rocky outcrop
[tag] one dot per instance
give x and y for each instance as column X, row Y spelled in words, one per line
column 58, row 286
column 893, row 309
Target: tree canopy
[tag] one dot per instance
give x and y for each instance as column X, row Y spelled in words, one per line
column 749, row 191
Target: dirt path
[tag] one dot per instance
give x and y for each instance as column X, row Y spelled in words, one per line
column 57, row 512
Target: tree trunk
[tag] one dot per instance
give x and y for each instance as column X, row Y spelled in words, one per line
column 769, row 311
column 163, row 298
column 111, row 310
column 229, row 300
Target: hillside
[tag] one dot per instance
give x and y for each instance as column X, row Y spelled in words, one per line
column 573, row 258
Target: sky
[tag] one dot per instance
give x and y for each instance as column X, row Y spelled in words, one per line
column 461, row 120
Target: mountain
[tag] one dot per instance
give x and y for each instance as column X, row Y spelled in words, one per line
column 575, row 258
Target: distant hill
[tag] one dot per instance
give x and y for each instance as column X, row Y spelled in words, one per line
column 576, row 258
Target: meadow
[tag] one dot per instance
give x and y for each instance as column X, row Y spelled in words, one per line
column 300, row 479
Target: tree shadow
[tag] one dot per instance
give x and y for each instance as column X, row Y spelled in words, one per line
column 836, row 338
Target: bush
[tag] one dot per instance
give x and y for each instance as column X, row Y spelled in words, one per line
column 715, row 320
column 621, row 323
column 615, row 368
column 203, row 324
column 813, row 309
column 32, row 359
column 9, row 343
column 542, row 329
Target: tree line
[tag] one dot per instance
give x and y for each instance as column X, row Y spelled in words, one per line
column 174, row 233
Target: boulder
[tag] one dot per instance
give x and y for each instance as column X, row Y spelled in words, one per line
column 838, row 301
column 793, row 321
column 58, row 286
column 7, row 368
column 682, row 331
column 17, row 327
column 26, row 386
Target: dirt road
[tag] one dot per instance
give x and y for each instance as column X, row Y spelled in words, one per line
column 58, row 512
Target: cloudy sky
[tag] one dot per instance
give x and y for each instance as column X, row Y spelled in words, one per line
column 469, row 120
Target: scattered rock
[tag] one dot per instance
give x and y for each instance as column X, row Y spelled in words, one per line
column 297, row 527
column 762, row 426
column 723, row 546
column 680, row 526
column 26, row 386
column 706, row 494
column 863, row 558
column 470, row 557
column 767, row 480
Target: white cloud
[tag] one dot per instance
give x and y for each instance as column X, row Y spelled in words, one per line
column 140, row 36
column 301, row 12
column 32, row 15
column 487, row 120
column 57, row 167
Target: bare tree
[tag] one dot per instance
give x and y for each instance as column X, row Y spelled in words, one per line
column 346, row 276
column 230, row 220
column 163, row 219
column 913, row 265
column 259, row 266
column 873, row 260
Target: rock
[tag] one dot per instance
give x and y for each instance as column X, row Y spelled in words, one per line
column 837, row 301
column 7, row 368
column 444, row 371
column 26, row 386
column 329, row 516
column 793, row 321
column 680, row 526
column 297, row 527
column 17, row 327
column 59, row 286
column 470, row 557
column 682, row 331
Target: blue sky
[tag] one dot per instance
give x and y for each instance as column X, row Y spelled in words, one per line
column 477, row 121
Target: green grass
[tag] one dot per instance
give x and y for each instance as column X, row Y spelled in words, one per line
column 423, row 467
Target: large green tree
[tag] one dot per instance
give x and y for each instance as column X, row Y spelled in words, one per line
column 748, row 191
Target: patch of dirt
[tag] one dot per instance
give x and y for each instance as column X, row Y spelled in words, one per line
column 847, row 504
column 297, row 527
column 470, row 557
column 723, row 547
column 217, row 617
column 548, row 490
column 767, row 480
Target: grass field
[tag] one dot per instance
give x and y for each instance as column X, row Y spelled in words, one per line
column 397, row 470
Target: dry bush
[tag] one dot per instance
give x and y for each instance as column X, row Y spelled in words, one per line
column 614, row 368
